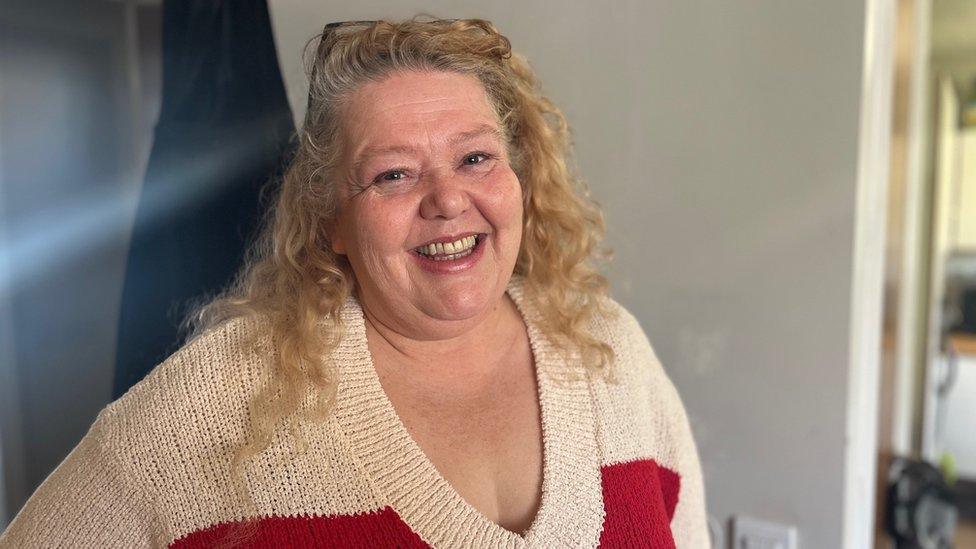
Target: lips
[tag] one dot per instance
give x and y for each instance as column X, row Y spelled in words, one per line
column 443, row 263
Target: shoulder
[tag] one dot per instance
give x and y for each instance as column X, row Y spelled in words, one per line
column 153, row 459
column 619, row 328
column 206, row 378
column 637, row 370
column 176, row 434
column 182, row 419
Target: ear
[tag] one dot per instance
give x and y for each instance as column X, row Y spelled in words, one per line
column 338, row 246
column 335, row 239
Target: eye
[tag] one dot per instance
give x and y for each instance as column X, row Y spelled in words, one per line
column 392, row 175
column 475, row 158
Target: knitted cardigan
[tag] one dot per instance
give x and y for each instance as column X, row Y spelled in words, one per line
column 620, row 468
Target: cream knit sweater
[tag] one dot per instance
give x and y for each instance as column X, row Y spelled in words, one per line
column 620, row 466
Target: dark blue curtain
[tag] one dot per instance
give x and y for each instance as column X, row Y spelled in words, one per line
column 223, row 134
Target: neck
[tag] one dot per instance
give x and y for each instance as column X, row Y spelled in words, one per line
column 471, row 350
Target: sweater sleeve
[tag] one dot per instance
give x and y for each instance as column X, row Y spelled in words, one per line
column 689, row 524
column 84, row 502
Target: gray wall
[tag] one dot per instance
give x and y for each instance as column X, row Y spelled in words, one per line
column 721, row 139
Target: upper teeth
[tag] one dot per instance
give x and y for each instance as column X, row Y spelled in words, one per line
column 457, row 246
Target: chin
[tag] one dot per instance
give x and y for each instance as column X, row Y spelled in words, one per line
column 464, row 302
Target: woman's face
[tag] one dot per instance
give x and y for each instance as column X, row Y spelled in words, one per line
column 427, row 164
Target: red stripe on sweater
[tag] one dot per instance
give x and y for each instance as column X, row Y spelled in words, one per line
column 382, row 528
column 639, row 498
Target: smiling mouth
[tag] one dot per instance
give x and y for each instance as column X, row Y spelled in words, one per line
column 447, row 251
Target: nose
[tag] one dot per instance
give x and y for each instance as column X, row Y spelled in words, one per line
column 445, row 196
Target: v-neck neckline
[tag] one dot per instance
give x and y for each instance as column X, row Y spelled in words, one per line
column 571, row 509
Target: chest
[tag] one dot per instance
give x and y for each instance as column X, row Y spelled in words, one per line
column 484, row 436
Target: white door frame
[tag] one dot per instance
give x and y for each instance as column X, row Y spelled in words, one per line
column 861, row 436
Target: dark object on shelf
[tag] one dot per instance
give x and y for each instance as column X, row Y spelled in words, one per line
column 967, row 306
column 965, row 490
column 223, row 133
column 920, row 509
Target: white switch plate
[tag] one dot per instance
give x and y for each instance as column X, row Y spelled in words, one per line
column 748, row 533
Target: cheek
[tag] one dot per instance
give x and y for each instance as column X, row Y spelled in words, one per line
column 504, row 202
column 383, row 227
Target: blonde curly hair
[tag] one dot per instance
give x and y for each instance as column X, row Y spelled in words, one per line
column 294, row 282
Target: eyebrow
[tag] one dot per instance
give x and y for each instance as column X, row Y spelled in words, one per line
column 480, row 130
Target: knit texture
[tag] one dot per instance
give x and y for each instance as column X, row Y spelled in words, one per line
column 620, row 467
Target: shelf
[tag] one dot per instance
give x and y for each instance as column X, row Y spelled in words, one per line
column 963, row 344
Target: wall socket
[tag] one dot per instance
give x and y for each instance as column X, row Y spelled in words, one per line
column 748, row 533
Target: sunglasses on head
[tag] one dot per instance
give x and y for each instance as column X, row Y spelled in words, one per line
column 329, row 32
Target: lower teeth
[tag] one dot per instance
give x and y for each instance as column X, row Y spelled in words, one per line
column 449, row 257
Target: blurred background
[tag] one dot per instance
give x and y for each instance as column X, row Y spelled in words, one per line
column 790, row 188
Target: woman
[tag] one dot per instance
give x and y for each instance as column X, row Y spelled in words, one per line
column 420, row 351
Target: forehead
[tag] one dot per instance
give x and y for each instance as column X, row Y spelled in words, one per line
column 407, row 107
